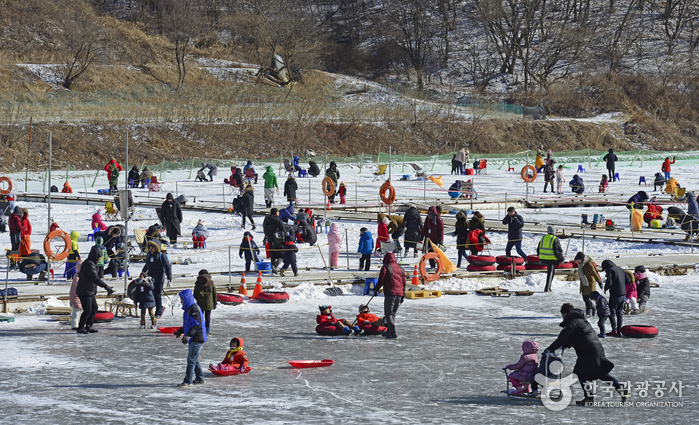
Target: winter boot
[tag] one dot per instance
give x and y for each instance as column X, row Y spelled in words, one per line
column 81, row 331
column 296, row 274
column 142, row 326
column 357, row 330
column 253, row 227
column 624, row 393
column 602, row 336
column 282, row 273
column 346, row 330
column 91, row 330
column 208, row 330
column 42, row 276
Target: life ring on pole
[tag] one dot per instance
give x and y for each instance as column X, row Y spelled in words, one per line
column 525, row 175
column 328, row 187
column 9, row 185
column 440, row 266
column 58, row 233
column 391, row 197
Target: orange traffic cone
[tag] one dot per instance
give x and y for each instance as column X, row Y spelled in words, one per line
column 328, row 206
column 258, row 285
column 243, row 289
column 416, row 280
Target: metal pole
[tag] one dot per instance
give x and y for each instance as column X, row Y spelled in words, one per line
column 583, row 240
column 309, row 192
column 589, row 160
column 361, row 160
column 402, row 170
column 29, row 149
column 325, row 196
column 505, row 202
column 389, row 162
column 229, row 269
column 177, row 190
column 424, row 188
column 95, row 179
column 125, row 213
column 346, row 251
column 48, row 272
column 191, row 168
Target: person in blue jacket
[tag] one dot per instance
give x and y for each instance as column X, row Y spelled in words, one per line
column 192, row 333
column 297, row 167
column 158, row 268
column 577, row 185
column 286, row 214
column 366, row 248
column 249, row 248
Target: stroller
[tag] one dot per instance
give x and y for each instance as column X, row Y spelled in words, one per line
column 545, row 369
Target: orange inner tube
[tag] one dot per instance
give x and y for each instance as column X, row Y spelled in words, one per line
column 328, row 187
column 66, row 249
column 440, row 266
column 387, row 187
column 9, row 185
column 525, row 175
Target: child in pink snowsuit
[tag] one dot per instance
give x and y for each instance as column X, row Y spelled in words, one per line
column 632, row 296
column 525, row 368
column 97, row 221
column 335, row 243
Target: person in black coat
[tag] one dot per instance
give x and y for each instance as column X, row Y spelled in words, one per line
column 412, row 222
column 461, row 233
column 639, row 200
column 290, row 250
column 610, row 158
column 515, row 223
column 249, row 249
column 248, row 205
column 275, row 233
column 313, row 169
column 290, row 188
column 591, row 363
column 135, row 175
column 549, row 174
column 88, row 281
column 658, row 181
column 615, row 283
column 158, row 268
column 171, row 213
column 112, row 237
column 308, row 233
column 642, row 287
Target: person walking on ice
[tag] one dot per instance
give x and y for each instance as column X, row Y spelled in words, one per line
column 515, row 223
column 193, row 335
column 392, row 279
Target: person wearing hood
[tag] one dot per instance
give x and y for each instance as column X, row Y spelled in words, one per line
column 306, row 233
column 158, row 267
column 550, row 253
column 73, row 255
column 602, row 309
column 666, row 167
column 290, row 188
column 236, row 179
column 182, row 199
column 249, row 171
column 249, row 249
column 248, row 205
column 392, row 280
column 74, row 300
column 67, row 188
column 113, row 168
column 313, row 169
column 603, row 184
column 104, row 259
column 296, row 164
column 515, row 223
column 642, row 287
column 193, row 334
column 25, row 246
column 577, row 185
column 199, row 234
column 97, row 221
column 591, row 364
column 412, row 222
column 144, row 299
column 286, row 214
column 461, row 232
column 549, row 174
column 213, row 169
column 659, row 181
column 16, row 229
column 235, row 359
column 455, row 190
column 525, row 368
column 334, row 244
column 615, row 282
column 88, row 281
column 270, row 184
column 134, row 177
column 395, row 228
column 589, row 278
column 638, row 200
column 610, row 158
column 655, row 211
column 205, row 294
column 34, row 263
column 146, row 174
column 342, row 191
column 274, row 233
column 334, row 175
column 290, row 250
column 382, row 233
column 432, row 231
column 365, row 248
column 692, row 206
column 171, row 211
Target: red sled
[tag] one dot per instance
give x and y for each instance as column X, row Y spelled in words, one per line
column 302, row 364
column 229, row 372
column 169, row 330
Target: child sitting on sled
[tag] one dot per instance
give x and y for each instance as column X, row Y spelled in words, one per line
column 366, row 318
column 327, row 318
column 525, row 368
column 235, row 358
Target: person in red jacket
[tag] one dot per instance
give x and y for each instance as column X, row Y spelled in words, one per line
column 655, row 212
column 111, row 167
column 67, row 188
column 235, row 358
column 382, row 233
column 392, row 279
column 365, row 318
column 16, row 229
column 433, row 230
column 327, row 318
column 666, row 167
column 25, row 246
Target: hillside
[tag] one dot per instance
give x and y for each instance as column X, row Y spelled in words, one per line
column 353, row 90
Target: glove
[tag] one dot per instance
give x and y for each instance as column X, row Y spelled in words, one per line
column 215, row 304
column 110, row 290
column 242, row 368
column 178, row 333
column 184, row 341
column 169, row 283
column 402, row 299
column 367, row 323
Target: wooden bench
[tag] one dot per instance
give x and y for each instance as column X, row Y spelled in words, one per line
column 121, row 309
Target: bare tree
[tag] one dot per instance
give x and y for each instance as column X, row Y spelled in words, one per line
column 615, row 36
column 180, row 20
column 82, row 40
column 675, row 17
column 481, row 62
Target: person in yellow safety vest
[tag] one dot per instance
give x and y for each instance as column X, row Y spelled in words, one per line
column 551, row 254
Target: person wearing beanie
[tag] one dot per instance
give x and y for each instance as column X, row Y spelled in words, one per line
column 551, row 254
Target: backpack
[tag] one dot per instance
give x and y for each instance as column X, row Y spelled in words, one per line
column 131, row 290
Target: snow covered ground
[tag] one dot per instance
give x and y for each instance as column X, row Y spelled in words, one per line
column 445, row 368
